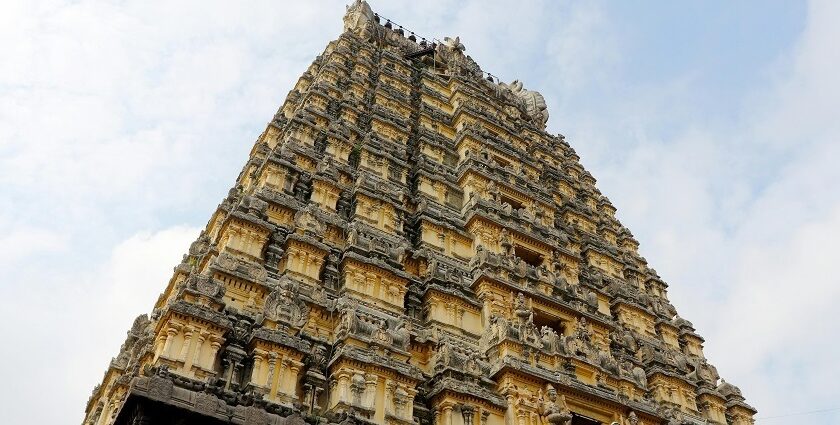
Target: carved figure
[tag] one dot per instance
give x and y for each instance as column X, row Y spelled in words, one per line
column 454, row 44
column 506, row 242
column 555, row 413
column 359, row 18
column 640, row 376
column 493, row 191
column 401, row 335
column 533, row 102
column 307, row 222
column 582, row 330
column 284, row 305
column 200, row 246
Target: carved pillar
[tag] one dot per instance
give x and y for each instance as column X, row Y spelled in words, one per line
column 447, row 415
column 467, row 413
column 510, row 413
column 341, row 388
column 199, row 346
column 103, row 414
column 357, row 388
column 160, row 343
column 389, row 407
column 409, row 406
column 281, row 376
column 185, row 347
column 292, row 379
column 315, row 398
column 259, row 360
column 370, row 391
column 170, row 336
column 272, row 363
column 215, row 345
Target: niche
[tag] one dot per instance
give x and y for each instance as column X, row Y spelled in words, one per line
column 513, row 202
column 530, row 257
column 555, row 323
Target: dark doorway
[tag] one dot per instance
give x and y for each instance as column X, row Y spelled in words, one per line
column 578, row 419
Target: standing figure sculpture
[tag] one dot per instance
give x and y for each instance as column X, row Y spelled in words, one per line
column 555, row 413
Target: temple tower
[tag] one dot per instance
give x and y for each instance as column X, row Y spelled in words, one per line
column 407, row 244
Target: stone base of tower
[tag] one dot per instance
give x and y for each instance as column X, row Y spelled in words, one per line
column 158, row 400
column 142, row 411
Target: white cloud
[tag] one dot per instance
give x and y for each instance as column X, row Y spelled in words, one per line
column 64, row 334
column 23, row 242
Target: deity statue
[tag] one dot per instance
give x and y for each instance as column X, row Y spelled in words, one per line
column 506, row 242
column 555, row 413
column 582, row 331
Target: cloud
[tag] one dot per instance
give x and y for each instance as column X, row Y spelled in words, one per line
column 65, row 333
column 21, row 243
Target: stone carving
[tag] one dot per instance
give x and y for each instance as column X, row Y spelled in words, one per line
column 533, row 102
column 706, row 371
column 283, row 303
column 206, row 285
column 451, row 54
column 274, row 251
column 137, row 340
column 378, row 330
column 555, row 413
column 207, row 404
column 227, row 261
column 371, row 243
column 234, row 195
column 505, row 242
column 553, row 342
column 306, row 221
column 200, row 246
column 580, row 342
column 452, row 355
column 302, row 188
column 254, row 206
column 359, row 19
column 639, row 376
column 606, row 361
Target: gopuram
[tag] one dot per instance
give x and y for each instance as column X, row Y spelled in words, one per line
column 408, row 245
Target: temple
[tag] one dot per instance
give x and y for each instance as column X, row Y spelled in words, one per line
column 406, row 244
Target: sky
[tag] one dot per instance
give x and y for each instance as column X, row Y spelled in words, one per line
column 713, row 127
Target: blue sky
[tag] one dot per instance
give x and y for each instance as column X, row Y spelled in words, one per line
column 712, row 126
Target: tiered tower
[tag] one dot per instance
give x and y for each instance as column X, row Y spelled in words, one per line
column 406, row 244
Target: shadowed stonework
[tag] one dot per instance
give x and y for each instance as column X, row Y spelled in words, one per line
column 406, row 244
